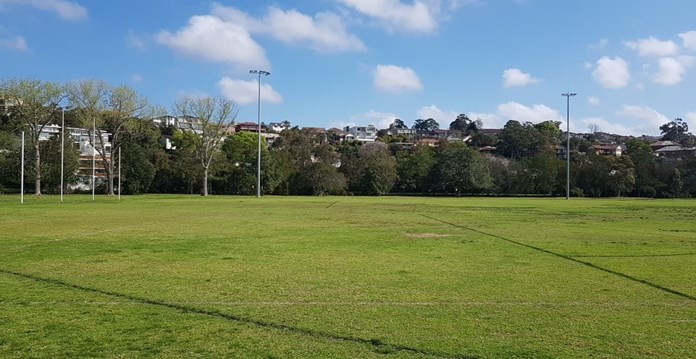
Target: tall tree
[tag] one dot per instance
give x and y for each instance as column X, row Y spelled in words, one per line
column 461, row 123
column 542, row 173
column 142, row 154
column 520, row 141
column 209, row 118
column 108, row 111
column 461, row 169
column 398, row 123
column 644, row 168
column 622, row 175
column 34, row 106
column 370, row 169
column 426, row 125
column 413, row 169
column 238, row 175
column 51, row 159
column 291, row 152
column 677, row 131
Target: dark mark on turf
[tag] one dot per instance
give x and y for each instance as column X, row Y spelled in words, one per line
column 377, row 345
column 634, row 255
column 331, row 205
column 591, row 265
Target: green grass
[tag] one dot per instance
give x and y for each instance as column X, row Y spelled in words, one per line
column 347, row 277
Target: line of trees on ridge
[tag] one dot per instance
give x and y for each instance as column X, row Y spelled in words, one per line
column 203, row 159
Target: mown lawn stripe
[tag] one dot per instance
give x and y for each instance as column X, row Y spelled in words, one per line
column 377, row 345
column 569, row 258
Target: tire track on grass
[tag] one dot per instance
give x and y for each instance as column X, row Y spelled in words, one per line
column 377, row 345
column 569, row 258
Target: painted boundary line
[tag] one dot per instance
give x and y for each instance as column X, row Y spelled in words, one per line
column 376, row 344
column 569, row 258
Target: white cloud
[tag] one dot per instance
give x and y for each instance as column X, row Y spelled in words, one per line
column 489, row 120
column 612, row 73
column 68, row 10
column 325, row 32
column 195, row 94
column 418, row 16
column 244, row 92
column 535, row 114
column 690, row 117
column 212, row 39
column 515, row 77
column 518, row 112
column 456, row 4
column 444, row 118
column 652, row 47
column 689, row 39
column 599, row 45
column 672, row 70
column 594, row 101
column 395, row 79
column 604, row 126
column 136, row 78
column 649, row 119
column 135, row 41
column 17, row 43
column 380, row 120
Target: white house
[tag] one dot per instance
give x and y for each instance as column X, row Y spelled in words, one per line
column 361, row 133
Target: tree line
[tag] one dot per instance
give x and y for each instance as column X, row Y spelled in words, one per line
column 205, row 158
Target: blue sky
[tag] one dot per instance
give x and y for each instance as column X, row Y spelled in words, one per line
column 338, row 62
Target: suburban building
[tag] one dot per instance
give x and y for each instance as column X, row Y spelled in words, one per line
column 607, row 150
column 278, row 126
column 361, row 133
column 249, row 127
column 81, row 141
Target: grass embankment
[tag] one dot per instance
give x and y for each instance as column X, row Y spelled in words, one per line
column 341, row 277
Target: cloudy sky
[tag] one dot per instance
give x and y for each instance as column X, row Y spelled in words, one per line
column 336, row 62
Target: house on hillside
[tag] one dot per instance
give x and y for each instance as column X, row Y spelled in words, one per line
column 662, row 144
column 183, row 123
column 336, row 134
column 431, row 142
column 278, row 127
column 561, row 151
column 406, row 132
column 82, row 142
column 492, row 132
column 606, row 150
column 675, row 152
column 361, row 133
column 249, row 127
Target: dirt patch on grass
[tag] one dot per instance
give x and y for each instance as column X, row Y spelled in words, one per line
column 427, row 235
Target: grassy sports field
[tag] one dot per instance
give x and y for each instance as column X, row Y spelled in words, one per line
column 347, row 277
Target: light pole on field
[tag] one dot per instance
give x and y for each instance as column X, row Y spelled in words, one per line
column 568, row 95
column 94, row 154
column 21, row 186
column 62, row 152
column 258, row 131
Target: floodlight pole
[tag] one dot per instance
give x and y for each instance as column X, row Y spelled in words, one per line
column 62, row 152
column 119, row 173
column 21, row 185
column 94, row 153
column 258, row 131
column 568, row 95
